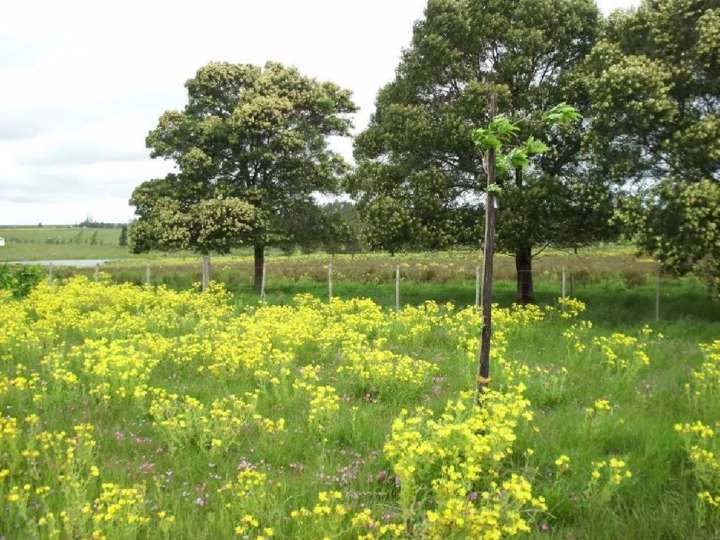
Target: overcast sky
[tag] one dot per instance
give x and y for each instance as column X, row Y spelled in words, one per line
column 82, row 82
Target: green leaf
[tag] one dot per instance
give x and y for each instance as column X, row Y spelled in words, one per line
column 562, row 113
column 503, row 128
column 486, row 139
column 519, row 158
column 534, row 147
column 502, row 165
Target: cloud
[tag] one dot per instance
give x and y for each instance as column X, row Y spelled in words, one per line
column 80, row 92
column 84, row 155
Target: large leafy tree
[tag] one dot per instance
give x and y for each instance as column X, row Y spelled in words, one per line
column 654, row 80
column 417, row 154
column 251, row 145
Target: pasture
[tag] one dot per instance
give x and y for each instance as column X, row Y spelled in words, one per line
column 60, row 242
column 184, row 415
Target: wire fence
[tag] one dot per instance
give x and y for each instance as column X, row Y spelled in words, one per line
column 275, row 274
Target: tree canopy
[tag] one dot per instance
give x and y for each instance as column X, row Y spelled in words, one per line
column 654, row 80
column 250, row 147
column 417, row 162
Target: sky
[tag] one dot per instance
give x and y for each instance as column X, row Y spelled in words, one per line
column 82, row 83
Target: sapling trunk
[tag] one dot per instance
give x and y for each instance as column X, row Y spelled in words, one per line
column 483, row 375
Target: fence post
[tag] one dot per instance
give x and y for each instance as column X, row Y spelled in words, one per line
column 657, row 296
column 97, row 271
column 205, row 272
column 50, row 273
column 572, row 284
column 147, row 273
column 477, row 286
column 330, row 283
column 262, row 283
column 397, row 288
column 563, row 282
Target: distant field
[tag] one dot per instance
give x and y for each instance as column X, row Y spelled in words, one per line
column 286, row 273
column 60, row 242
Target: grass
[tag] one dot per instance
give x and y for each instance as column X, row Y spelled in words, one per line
column 187, row 343
column 182, row 476
column 60, row 242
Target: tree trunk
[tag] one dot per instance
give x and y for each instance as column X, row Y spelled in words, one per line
column 524, row 293
column 259, row 263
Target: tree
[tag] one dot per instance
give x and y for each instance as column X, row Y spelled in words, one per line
column 340, row 227
column 123, row 240
column 417, row 153
column 210, row 226
column 256, row 135
column 654, row 79
column 502, row 154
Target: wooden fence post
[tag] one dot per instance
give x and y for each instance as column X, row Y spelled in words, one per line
column 397, row 288
column 205, row 272
column 330, row 283
column 147, row 273
column 262, row 283
column 50, row 273
column 657, row 296
column 477, row 286
column 563, row 282
column 97, row 271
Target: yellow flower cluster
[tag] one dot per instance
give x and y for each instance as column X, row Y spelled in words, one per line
column 185, row 420
column 570, row 307
column 459, row 458
column 701, row 440
column 613, row 471
column 562, row 463
column 144, row 355
column 707, row 378
column 625, row 354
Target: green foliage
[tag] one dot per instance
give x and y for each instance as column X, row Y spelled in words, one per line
column 422, row 151
column 212, row 225
column 654, row 81
column 562, row 113
column 684, row 232
column 249, row 136
column 387, row 224
column 501, row 130
column 20, row 280
column 123, row 239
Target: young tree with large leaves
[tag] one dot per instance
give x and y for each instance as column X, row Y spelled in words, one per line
column 654, row 80
column 254, row 142
column 502, row 153
column 417, row 152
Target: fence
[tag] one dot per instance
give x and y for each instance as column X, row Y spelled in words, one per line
column 567, row 280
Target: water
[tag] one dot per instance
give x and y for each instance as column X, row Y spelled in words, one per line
column 76, row 263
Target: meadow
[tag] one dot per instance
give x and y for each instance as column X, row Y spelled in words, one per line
column 60, row 242
column 147, row 412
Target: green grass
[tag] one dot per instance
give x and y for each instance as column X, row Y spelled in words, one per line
column 659, row 501
column 60, row 242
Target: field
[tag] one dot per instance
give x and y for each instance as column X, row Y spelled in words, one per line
column 144, row 412
column 60, row 242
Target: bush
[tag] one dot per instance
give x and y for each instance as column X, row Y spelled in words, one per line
column 20, row 280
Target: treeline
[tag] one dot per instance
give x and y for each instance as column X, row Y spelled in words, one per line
column 89, row 223
column 643, row 164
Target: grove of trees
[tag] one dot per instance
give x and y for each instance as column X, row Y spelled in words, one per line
column 251, row 148
column 642, row 160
